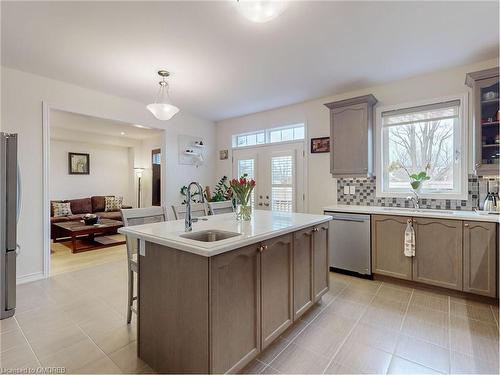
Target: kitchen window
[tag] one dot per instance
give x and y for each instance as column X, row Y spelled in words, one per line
column 426, row 137
column 275, row 135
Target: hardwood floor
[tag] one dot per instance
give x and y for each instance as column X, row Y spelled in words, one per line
column 62, row 260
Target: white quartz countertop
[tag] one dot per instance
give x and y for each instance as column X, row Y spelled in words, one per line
column 423, row 212
column 264, row 225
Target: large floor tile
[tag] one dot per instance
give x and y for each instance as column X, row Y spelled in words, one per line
column 8, row 324
column 254, row 367
column 428, row 316
column 377, row 337
column 112, row 340
column 402, row 366
column 273, row 350
column 345, row 308
column 321, row 340
column 472, row 311
column 431, row 301
column 45, row 343
column 474, row 328
column 435, row 334
column 20, row 356
column 294, row 330
column 399, row 293
column 361, row 296
column 337, row 368
column 363, row 358
column 75, row 356
column 11, row 339
column 126, row 359
column 465, row 364
column 297, row 360
column 423, row 353
column 382, row 317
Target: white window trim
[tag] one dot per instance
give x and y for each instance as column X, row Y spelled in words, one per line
column 267, row 135
column 464, row 157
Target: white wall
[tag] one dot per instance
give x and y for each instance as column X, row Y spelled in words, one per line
column 110, row 171
column 22, row 95
column 321, row 186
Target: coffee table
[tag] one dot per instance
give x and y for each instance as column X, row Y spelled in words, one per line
column 75, row 229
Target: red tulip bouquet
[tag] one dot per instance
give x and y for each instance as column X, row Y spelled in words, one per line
column 242, row 189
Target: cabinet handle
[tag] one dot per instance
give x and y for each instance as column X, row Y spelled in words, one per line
column 266, row 204
column 324, row 228
column 260, row 204
column 466, row 225
column 478, row 165
column 262, row 248
column 314, row 230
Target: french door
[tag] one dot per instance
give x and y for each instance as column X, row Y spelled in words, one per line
column 278, row 171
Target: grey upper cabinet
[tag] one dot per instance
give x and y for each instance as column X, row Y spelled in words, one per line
column 351, row 136
column 480, row 257
column 438, row 252
column 276, row 287
column 388, row 233
column 485, row 105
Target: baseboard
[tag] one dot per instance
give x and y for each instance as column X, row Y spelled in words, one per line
column 29, row 278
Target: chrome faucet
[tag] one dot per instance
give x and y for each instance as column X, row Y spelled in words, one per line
column 415, row 200
column 188, row 222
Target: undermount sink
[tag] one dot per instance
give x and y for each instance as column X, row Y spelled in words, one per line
column 209, row 235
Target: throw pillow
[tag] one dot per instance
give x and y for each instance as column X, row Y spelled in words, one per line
column 113, row 204
column 61, row 209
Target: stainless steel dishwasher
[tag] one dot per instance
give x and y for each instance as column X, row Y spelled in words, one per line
column 350, row 249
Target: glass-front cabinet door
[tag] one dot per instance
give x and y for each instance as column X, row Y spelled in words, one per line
column 486, row 99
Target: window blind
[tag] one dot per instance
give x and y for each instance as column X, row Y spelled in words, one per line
column 425, row 113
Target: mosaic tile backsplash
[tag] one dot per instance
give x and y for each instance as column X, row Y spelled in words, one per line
column 366, row 195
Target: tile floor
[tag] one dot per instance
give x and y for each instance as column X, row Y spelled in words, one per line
column 77, row 320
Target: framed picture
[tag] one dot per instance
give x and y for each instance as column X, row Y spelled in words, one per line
column 320, row 145
column 223, row 154
column 78, row 163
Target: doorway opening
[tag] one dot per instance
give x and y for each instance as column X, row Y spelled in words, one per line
column 156, row 177
column 95, row 168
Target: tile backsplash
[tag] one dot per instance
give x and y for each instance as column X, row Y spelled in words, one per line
column 365, row 194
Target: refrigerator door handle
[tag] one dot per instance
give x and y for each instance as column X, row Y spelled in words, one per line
column 19, row 193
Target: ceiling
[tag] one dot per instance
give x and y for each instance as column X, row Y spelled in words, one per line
column 98, row 126
column 225, row 66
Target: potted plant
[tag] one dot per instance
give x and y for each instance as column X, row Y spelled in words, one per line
column 416, row 179
column 242, row 190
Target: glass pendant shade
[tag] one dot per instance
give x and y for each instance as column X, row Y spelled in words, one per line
column 260, row 11
column 162, row 109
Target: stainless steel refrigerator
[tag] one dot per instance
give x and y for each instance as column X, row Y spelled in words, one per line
column 8, row 223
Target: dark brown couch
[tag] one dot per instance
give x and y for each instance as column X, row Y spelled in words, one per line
column 80, row 207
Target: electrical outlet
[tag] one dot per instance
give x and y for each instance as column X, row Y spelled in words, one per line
column 352, row 190
column 346, row 190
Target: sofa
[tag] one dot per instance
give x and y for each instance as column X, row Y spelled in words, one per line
column 80, row 207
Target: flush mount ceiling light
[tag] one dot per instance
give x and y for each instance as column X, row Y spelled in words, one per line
column 162, row 109
column 261, row 11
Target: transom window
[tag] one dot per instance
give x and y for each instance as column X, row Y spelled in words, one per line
column 423, row 138
column 274, row 135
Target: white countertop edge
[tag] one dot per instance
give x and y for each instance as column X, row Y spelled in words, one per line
column 208, row 249
column 396, row 211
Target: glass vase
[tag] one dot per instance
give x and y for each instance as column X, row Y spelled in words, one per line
column 243, row 212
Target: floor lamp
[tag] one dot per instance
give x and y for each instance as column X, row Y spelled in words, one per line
column 138, row 173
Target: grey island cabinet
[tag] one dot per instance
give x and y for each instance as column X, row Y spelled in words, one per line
column 213, row 307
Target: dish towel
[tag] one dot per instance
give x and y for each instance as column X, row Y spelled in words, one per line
column 409, row 248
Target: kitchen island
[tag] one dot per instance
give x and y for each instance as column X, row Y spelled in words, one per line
column 212, row 299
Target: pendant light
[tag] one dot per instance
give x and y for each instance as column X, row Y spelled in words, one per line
column 162, row 109
column 260, row 11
